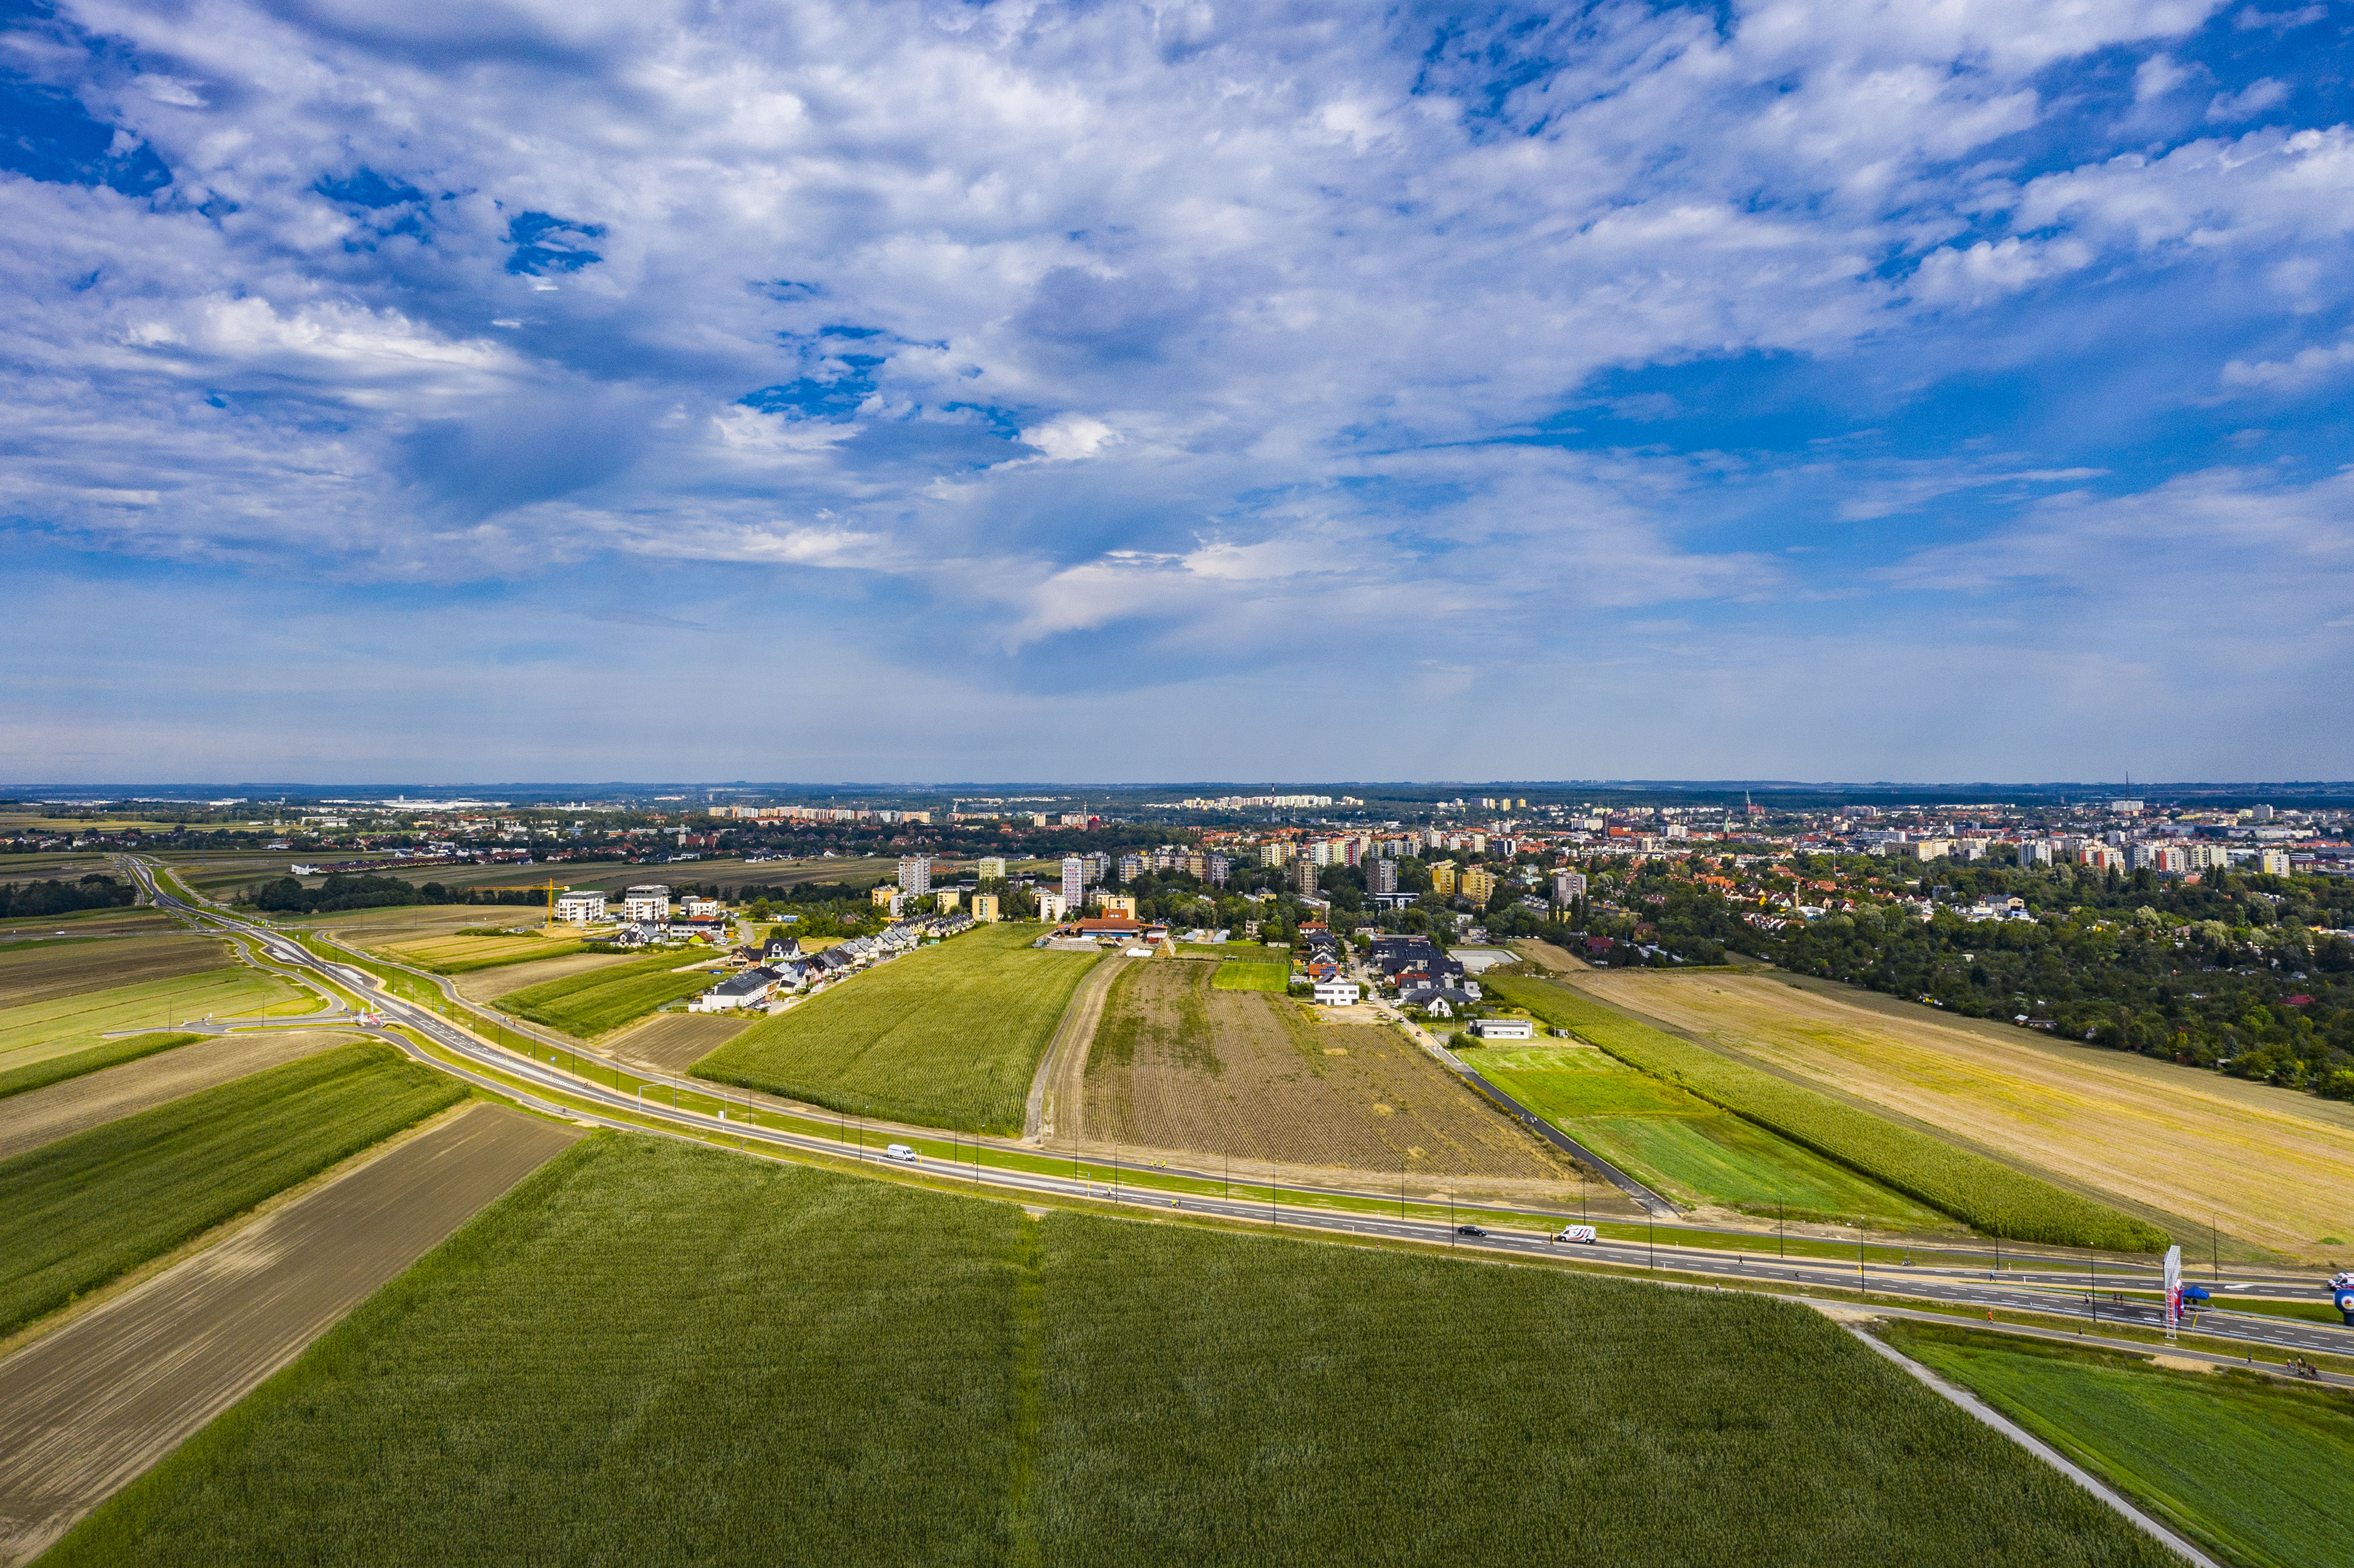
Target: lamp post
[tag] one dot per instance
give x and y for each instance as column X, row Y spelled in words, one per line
column 1858, row 1256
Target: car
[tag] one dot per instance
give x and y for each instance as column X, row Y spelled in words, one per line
column 900, row 1152
column 1470, row 1231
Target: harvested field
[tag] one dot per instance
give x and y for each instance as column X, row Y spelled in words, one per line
column 676, row 1041
column 945, row 1036
column 44, row 1116
column 42, row 974
column 1178, row 1064
column 1680, row 1146
column 2272, row 1168
column 86, row 923
column 489, row 985
column 454, row 955
column 89, row 1407
column 655, row 1354
column 62, row 1025
column 87, row 1208
column 1995, row 1197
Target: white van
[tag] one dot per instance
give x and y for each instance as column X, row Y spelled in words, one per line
column 900, row 1152
column 1575, row 1234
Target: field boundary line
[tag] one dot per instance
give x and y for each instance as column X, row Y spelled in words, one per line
column 1964, row 1400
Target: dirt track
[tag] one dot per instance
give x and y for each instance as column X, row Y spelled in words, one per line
column 44, row 1116
column 89, row 1407
column 1059, row 1091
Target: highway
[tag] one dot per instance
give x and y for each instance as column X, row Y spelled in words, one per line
column 2036, row 1283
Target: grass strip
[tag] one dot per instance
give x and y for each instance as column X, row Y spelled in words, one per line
column 89, row 1207
column 1980, row 1191
column 2259, row 1471
column 107, row 1054
column 1233, row 975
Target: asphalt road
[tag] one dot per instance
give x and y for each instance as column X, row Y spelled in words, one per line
column 2034, row 1283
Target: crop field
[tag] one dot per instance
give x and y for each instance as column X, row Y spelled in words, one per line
column 61, row 1109
column 945, row 1036
column 1233, row 976
column 62, row 1025
column 2257, row 1471
column 505, row 980
column 1679, row 1145
column 40, row 1074
column 86, row 1208
column 676, row 1041
column 2268, row 1166
column 83, row 922
column 39, row 974
column 603, row 1000
column 1970, row 1187
column 1178, row 1064
column 458, row 954
column 655, row 1354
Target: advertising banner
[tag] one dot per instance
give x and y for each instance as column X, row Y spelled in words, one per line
column 2173, row 1287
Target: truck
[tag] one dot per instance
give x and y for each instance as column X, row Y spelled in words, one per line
column 1575, row 1234
column 900, row 1152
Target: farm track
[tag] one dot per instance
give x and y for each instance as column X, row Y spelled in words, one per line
column 84, row 1410
column 44, row 1116
column 1058, row 1090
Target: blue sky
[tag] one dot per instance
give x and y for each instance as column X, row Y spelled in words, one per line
column 1176, row 390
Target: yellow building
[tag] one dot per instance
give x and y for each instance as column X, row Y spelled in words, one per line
column 1478, row 886
column 885, row 896
column 948, row 897
column 1119, row 903
column 1442, row 879
column 984, row 908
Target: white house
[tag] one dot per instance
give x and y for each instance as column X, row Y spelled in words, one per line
column 750, row 989
column 649, row 905
column 1337, row 992
column 1053, row 907
column 580, row 909
column 1503, row 1029
column 700, row 908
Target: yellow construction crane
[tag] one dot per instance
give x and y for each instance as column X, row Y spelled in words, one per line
column 551, row 889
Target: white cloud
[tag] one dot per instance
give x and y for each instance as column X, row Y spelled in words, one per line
column 1067, row 437
column 2229, row 108
column 2306, row 368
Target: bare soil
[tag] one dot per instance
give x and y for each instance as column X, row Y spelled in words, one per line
column 1177, row 1065
column 89, row 1407
column 487, row 985
column 43, row 1116
column 674, row 1041
column 43, row 974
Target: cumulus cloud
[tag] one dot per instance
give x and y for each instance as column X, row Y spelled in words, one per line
column 1216, row 329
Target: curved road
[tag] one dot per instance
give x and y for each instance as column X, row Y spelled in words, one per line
column 2047, row 1285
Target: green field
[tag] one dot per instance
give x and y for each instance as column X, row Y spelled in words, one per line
column 86, row 1208
column 66, row 1024
column 601, row 1000
column 463, row 952
column 946, row 1036
column 40, row 1074
column 1233, row 976
column 1680, row 1146
column 1970, row 1187
column 652, row 1353
column 2257, row 1471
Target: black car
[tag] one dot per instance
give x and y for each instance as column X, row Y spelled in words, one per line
column 1470, row 1231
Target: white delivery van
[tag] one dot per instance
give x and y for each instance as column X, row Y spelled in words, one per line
column 1575, row 1234
column 900, row 1152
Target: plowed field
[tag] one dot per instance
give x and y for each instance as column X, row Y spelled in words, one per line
column 38, row 974
column 1178, row 1064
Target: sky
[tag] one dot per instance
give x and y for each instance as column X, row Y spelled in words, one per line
column 1175, row 390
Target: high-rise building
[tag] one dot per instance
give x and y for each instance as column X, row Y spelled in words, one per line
column 1568, row 887
column 1274, row 853
column 1478, row 886
column 1051, row 907
column 993, row 866
column 916, row 874
column 1131, row 866
column 1075, row 882
column 1381, row 875
column 1442, row 879
column 1303, row 876
column 1215, row 869
column 984, row 908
